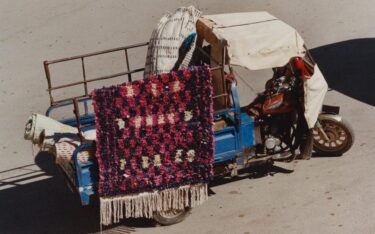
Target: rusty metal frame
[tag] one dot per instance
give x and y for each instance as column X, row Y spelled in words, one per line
column 85, row 81
column 85, row 97
column 128, row 72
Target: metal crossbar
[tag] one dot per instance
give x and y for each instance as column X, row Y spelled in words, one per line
column 85, row 81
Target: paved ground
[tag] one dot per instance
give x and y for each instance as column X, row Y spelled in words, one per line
column 323, row 195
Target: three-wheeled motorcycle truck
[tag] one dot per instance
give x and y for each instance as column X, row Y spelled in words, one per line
column 284, row 122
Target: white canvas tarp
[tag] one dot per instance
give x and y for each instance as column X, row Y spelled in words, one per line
column 315, row 90
column 257, row 40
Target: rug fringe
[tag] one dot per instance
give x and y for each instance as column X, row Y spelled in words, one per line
column 112, row 209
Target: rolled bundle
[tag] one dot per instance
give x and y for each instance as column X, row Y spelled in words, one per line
column 44, row 131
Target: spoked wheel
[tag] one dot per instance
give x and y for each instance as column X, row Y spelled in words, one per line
column 338, row 137
column 171, row 216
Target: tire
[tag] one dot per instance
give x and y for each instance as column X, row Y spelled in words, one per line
column 171, row 217
column 307, row 146
column 340, row 134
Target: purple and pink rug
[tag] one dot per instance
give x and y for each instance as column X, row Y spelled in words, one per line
column 154, row 143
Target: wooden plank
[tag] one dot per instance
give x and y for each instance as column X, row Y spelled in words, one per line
column 204, row 30
column 205, row 33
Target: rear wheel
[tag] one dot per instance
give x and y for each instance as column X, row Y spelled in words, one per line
column 171, row 216
column 338, row 140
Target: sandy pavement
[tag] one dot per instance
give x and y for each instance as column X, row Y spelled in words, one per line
column 323, row 195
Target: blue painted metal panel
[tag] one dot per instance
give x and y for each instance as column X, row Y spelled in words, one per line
column 225, row 144
column 247, row 131
column 226, row 156
column 87, row 175
column 228, row 140
column 84, row 119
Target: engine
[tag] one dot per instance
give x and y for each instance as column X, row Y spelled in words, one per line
column 276, row 133
column 272, row 144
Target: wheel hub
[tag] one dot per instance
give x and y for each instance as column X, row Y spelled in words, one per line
column 337, row 136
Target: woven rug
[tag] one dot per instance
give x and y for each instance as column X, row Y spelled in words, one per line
column 154, row 143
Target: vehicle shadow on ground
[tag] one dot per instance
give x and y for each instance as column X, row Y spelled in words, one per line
column 48, row 206
column 321, row 155
column 348, row 67
column 254, row 172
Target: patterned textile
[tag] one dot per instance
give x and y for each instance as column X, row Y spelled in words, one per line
column 65, row 148
column 167, row 38
column 156, row 133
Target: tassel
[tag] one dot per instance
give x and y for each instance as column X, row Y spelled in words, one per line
column 113, row 209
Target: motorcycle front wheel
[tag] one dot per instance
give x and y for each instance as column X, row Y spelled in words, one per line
column 337, row 138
